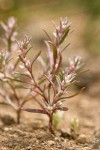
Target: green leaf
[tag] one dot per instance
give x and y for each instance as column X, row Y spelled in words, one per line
column 47, row 34
column 65, row 47
column 17, row 80
column 41, row 81
column 9, row 60
column 21, row 74
column 62, row 108
column 84, row 71
column 54, row 49
column 64, row 36
column 34, row 110
column 56, row 120
column 38, row 54
column 67, row 97
column 61, row 75
column 28, row 50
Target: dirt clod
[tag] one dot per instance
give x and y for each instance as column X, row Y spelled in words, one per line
column 51, row 143
column 7, row 120
column 82, row 139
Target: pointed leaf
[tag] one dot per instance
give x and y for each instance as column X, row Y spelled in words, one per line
column 34, row 110
column 28, row 50
column 17, row 80
column 78, row 74
column 61, row 75
column 62, row 108
column 41, row 81
column 4, row 103
column 22, row 74
column 10, row 102
column 3, row 26
column 54, row 89
column 59, row 63
column 38, row 54
column 47, row 34
column 50, row 55
column 54, row 49
column 65, row 47
column 67, row 97
column 64, row 36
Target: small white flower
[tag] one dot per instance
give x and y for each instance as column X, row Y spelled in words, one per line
column 60, row 114
column 69, row 78
column 28, row 63
column 59, row 103
column 21, row 66
column 11, row 22
column 1, row 75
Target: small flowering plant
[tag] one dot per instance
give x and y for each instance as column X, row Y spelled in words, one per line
column 50, row 88
column 9, row 83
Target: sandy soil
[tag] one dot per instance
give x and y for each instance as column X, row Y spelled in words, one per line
column 33, row 134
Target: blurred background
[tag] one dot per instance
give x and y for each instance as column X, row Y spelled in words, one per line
column 34, row 15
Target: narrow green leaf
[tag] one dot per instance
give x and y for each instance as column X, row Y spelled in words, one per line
column 84, row 71
column 9, row 60
column 65, row 47
column 59, row 63
column 51, row 61
column 3, row 103
column 47, row 34
column 22, row 74
column 61, row 75
column 38, row 54
column 28, row 50
column 17, row 80
column 67, row 97
column 41, row 81
column 51, row 83
column 54, row 51
column 62, row 108
column 34, row 110
column 64, row 36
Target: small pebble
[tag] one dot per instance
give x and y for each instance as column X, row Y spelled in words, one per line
column 56, row 139
column 51, row 143
column 82, row 139
column 7, row 129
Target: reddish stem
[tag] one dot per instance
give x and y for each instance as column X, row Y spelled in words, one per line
column 18, row 116
column 51, row 125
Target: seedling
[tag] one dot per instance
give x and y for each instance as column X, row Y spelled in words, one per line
column 56, row 80
column 74, row 127
column 57, row 119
